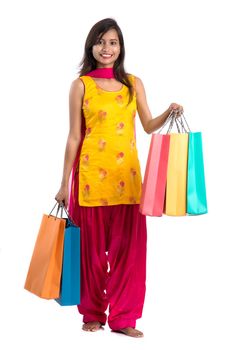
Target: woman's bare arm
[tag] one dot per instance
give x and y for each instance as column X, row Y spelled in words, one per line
column 75, row 109
column 149, row 123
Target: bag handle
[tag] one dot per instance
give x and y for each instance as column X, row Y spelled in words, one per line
column 173, row 120
column 166, row 121
column 177, row 120
column 180, row 120
column 62, row 206
column 68, row 215
column 57, row 210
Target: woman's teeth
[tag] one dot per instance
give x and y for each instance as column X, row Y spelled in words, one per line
column 106, row 56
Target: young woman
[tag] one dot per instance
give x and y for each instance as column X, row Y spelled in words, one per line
column 105, row 187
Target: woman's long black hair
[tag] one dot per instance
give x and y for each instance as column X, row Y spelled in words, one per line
column 89, row 63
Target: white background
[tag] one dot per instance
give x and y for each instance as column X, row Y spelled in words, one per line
column 182, row 51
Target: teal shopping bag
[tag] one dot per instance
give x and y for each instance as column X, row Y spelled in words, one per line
column 196, row 202
column 196, row 187
column 70, row 279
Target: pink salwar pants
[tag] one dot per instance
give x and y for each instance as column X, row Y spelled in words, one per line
column 113, row 260
column 112, row 238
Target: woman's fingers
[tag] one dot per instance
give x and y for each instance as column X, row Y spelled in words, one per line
column 177, row 109
column 62, row 196
column 176, row 106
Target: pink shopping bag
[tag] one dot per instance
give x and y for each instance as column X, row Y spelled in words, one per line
column 154, row 184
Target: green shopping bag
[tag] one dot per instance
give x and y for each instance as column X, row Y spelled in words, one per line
column 196, row 187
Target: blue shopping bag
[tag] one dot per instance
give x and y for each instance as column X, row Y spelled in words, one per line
column 196, row 187
column 70, row 279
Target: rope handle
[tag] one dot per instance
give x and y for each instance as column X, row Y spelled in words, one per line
column 169, row 118
column 68, row 215
column 62, row 206
column 177, row 121
column 57, row 210
column 180, row 120
column 173, row 121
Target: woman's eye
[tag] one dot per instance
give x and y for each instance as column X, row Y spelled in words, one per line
column 100, row 42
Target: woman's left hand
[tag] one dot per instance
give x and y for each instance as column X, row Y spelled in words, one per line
column 178, row 109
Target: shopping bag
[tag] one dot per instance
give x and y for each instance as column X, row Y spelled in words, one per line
column 154, row 184
column 196, row 187
column 153, row 187
column 196, row 201
column 44, row 273
column 175, row 200
column 70, row 280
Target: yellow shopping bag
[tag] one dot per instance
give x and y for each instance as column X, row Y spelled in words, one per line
column 175, row 199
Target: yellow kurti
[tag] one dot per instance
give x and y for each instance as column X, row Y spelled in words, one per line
column 109, row 168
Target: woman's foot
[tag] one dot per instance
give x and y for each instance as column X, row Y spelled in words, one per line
column 132, row 332
column 92, row 326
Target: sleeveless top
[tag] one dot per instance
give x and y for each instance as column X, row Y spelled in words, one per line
column 109, row 168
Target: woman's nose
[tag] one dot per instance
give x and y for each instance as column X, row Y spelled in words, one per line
column 105, row 46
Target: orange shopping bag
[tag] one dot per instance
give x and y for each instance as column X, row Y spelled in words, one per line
column 44, row 274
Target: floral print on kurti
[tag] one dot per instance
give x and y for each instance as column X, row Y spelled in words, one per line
column 109, row 169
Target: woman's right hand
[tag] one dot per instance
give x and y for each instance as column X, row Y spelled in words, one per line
column 178, row 109
column 62, row 195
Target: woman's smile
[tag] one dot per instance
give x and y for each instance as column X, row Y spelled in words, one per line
column 104, row 55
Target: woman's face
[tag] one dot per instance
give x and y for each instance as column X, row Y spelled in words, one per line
column 107, row 49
